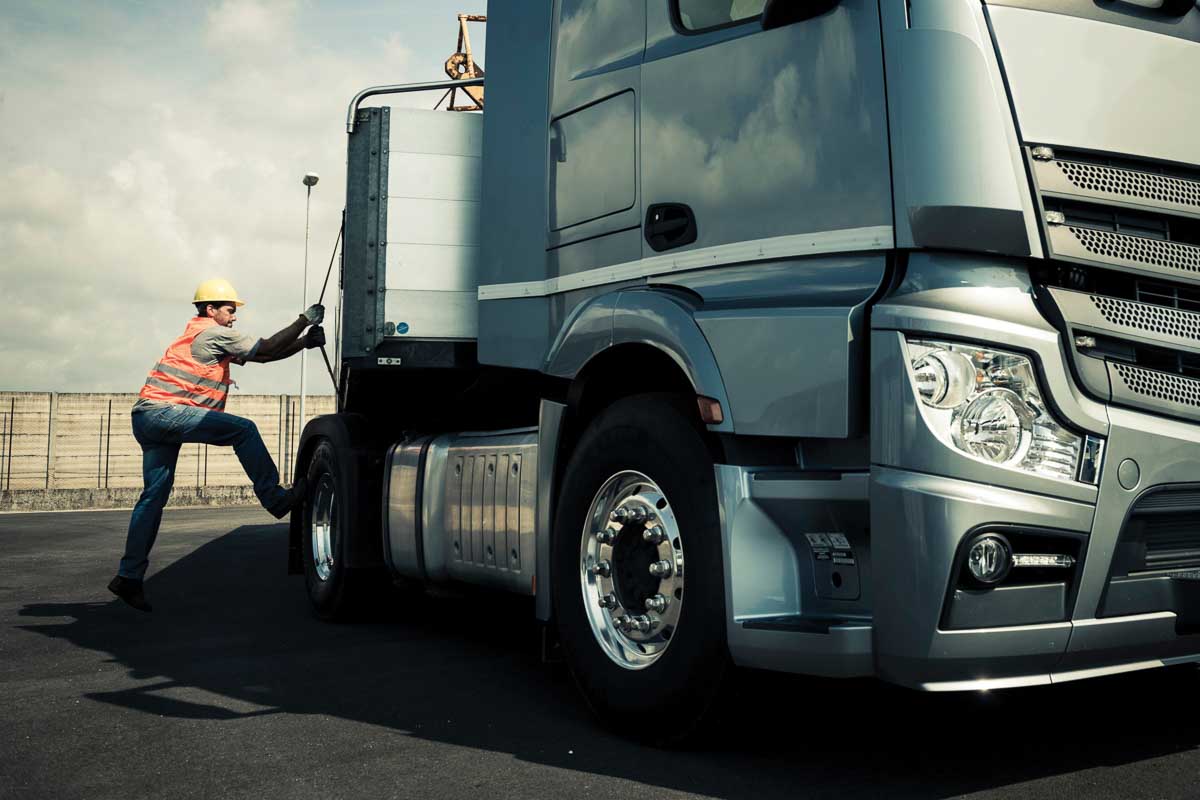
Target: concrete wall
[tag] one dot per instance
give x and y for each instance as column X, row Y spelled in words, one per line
column 59, row 442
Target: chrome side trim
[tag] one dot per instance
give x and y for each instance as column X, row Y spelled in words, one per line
column 1145, row 322
column 1099, row 672
column 987, row 684
column 848, row 240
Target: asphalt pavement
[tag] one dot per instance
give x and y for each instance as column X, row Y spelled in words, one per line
column 231, row 688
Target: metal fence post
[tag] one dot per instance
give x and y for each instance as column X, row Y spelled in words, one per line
column 99, row 452
column 50, row 440
column 12, row 424
column 282, row 465
column 287, row 441
column 3, row 446
column 108, row 444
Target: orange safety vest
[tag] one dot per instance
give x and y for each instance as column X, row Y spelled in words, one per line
column 179, row 378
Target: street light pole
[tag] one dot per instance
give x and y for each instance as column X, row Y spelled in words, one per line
column 310, row 180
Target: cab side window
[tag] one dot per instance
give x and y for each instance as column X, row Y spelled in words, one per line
column 699, row 15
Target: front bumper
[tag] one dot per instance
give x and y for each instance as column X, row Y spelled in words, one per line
column 920, row 518
column 918, row 523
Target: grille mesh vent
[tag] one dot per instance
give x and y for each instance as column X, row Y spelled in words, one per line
column 1139, row 249
column 1160, row 385
column 1156, row 319
column 1142, row 185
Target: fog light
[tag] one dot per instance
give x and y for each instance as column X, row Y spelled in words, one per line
column 990, row 558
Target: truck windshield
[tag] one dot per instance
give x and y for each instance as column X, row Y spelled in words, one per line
column 1178, row 18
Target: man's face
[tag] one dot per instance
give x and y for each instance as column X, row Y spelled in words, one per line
column 224, row 314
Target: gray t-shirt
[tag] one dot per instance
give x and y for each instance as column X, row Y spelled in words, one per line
column 210, row 346
column 219, row 342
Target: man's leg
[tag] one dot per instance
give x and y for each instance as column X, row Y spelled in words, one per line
column 158, row 475
column 217, row 427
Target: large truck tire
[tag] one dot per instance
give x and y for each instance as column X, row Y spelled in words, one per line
column 639, row 589
column 333, row 512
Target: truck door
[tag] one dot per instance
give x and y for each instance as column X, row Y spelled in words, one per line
column 594, row 208
column 756, row 134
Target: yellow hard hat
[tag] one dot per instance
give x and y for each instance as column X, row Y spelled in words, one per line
column 216, row 290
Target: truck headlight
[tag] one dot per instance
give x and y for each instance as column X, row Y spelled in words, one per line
column 986, row 403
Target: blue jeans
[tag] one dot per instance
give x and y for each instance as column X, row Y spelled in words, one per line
column 160, row 431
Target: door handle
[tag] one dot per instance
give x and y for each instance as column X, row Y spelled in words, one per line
column 669, row 225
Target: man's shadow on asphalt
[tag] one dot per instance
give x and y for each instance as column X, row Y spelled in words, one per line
column 233, row 637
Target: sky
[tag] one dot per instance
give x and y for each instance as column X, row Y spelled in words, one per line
column 146, row 146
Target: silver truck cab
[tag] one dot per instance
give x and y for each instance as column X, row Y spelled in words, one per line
column 845, row 338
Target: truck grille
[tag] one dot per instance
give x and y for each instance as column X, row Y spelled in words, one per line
column 1162, row 533
column 1126, row 183
column 1148, row 317
column 1124, row 280
column 1159, row 385
column 1137, row 250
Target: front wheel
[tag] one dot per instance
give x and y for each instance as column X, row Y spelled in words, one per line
column 638, row 571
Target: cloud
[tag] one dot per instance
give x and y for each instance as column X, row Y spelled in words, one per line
column 145, row 148
column 239, row 26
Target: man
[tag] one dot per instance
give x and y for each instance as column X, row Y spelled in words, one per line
column 183, row 400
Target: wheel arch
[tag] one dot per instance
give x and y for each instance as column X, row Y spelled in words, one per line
column 649, row 333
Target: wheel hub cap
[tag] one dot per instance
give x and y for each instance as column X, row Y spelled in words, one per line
column 324, row 527
column 631, row 570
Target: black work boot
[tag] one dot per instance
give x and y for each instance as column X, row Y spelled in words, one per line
column 130, row 590
column 294, row 496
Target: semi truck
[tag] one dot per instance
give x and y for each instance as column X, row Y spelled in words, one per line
column 833, row 337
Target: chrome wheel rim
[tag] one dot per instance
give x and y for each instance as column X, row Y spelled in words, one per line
column 323, row 527
column 631, row 570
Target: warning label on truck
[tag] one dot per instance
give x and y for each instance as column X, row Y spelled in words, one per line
column 834, row 547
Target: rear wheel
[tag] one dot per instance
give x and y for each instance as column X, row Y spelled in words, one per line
column 638, row 577
column 332, row 515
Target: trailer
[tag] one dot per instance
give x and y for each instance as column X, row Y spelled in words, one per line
column 843, row 338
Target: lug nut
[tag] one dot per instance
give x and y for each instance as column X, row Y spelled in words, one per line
column 657, row 603
column 661, row 569
column 605, row 536
column 619, row 514
column 624, row 622
column 608, row 601
column 641, row 624
column 654, row 535
column 637, row 514
column 602, row 568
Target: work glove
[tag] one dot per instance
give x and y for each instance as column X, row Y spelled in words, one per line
column 314, row 314
column 315, row 337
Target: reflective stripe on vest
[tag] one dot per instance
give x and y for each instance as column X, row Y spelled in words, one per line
column 187, row 376
column 180, row 378
column 184, row 395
